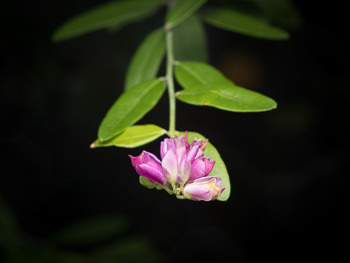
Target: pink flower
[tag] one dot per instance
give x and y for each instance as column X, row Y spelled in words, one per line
column 203, row 189
column 148, row 165
column 183, row 167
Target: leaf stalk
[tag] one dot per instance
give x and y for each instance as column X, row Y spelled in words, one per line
column 170, row 80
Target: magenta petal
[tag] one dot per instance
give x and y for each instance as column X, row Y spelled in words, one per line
column 218, row 181
column 197, row 170
column 180, row 150
column 186, row 140
column 208, row 165
column 192, row 153
column 136, row 160
column 152, row 160
column 149, row 166
column 169, row 164
column 197, row 192
column 197, row 189
column 200, row 153
column 145, row 157
column 151, row 173
column 208, row 179
column 184, row 172
column 163, row 149
column 204, row 180
column 165, row 146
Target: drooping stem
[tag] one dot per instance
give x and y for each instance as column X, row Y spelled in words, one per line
column 170, row 80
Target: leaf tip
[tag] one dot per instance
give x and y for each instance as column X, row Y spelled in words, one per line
column 58, row 35
column 55, row 38
column 284, row 35
column 222, row 200
column 94, row 144
column 274, row 104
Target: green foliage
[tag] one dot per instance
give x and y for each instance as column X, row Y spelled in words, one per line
column 133, row 136
column 243, row 23
column 30, row 254
column 281, row 12
column 190, row 41
column 146, row 183
column 105, row 234
column 190, row 74
column 131, row 250
column 109, row 15
column 183, row 38
column 130, row 107
column 146, row 61
column 205, row 86
column 219, row 169
column 229, row 98
column 182, row 10
column 91, row 230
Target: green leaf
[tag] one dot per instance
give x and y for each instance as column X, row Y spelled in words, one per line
column 133, row 136
column 146, row 183
column 146, row 61
column 182, row 10
column 206, row 86
column 190, row 42
column 110, row 15
column 243, row 23
column 281, row 12
column 230, row 98
column 190, row 74
column 91, row 230
column 219, row 169
column 130, row 107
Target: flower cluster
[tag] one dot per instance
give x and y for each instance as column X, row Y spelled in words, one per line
column 183, row 169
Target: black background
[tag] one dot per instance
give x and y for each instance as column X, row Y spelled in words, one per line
column 287, row 166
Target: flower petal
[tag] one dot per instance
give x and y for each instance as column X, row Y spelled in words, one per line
column 151, row 173
column 197, row 192
column 145, row 157
column 192, row 153
column 169, row 164
column 197, row 170
column 136, row 160
column 184, row 172
column 207, row 179
column 202, row 146
column 208, row 165
column 186, row 140
column 165, row 146
column 152, row 160
column 180, row 150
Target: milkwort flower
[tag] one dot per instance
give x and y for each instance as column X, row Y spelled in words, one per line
column 183, row 169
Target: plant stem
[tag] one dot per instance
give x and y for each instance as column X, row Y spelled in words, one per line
column 170, row 80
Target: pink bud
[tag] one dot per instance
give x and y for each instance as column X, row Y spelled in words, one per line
column 149, row 166
column 204, row 189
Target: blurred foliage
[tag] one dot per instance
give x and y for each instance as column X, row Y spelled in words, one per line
column 282, row 13
column 91, row 230
column 8, row 226
column 92, row 240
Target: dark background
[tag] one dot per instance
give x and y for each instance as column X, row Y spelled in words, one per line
column 287, row 166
